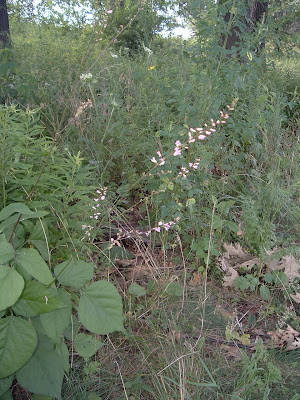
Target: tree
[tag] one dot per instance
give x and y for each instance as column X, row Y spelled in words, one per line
column 241, row 21
column 4, row 25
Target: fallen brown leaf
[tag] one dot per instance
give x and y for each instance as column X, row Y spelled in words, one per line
column 230, row 277
column 288, row 337
column 288, row 264
column 296, row 297
column 232, row 351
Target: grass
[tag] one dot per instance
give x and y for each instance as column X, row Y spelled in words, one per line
column 191, row 346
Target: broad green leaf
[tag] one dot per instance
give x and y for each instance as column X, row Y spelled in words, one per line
column 32, row 262
column 74, row 273
column 72, row 329
column 44, row 372
column 9, row 221
column 14, row 208
column 38, row 237
column 18, row 340
column 7, row 396
column 6, row 250
column 136, row 290
column 100, row 308
column 86, row 345
column 175, row 289
column 41, row 397
column 42, row 248
column 55, row 323
column 39, row 231
column 63, row 351
column 36, row 299
column 11, row 286
column 264, row 292
column 5, row 384
column 120, row 253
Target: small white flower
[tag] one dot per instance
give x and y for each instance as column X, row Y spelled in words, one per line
column 86, row 77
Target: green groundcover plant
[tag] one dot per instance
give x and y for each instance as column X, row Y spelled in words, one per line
column 44, row 289
column 38, row 306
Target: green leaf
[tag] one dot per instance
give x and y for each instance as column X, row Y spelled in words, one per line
column 269, row 277
column 6, row 250
column 9, row 221
column 18, row 340
column 280, row 278
column 120, row 253
column 44, row 372
column 11, row 286
column 39, row 231
column 86, row 345
column 36, row 299
column 63, row 351
column 100, row 308
column 55, row 323
column 217, row 222
column 72, row 329
column 224, row 206
column 7, row 396
column 241, row 283
column 174, row 289
column 32, row 262
column 136, row 290
column 5, row 384
column 264, row 292
column 74, row 273
column 41, row 397
column 14, row 208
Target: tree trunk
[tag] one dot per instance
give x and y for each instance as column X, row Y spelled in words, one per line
column 4, row 25
column 255, row 12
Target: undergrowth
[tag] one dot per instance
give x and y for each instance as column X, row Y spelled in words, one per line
column 146, row 164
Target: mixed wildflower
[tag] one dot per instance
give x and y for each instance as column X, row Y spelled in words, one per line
column 194, row 134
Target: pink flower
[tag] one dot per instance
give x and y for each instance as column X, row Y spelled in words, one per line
column 109, row 11
column 177, row 151
column 191, row 138
column 201, row 137
column 153, row 160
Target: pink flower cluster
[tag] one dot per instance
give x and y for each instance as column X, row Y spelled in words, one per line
column 96, row 214
column 185, row 171
column 193, row 135
column 161, row 225
column 97, row 200
column 161, row 159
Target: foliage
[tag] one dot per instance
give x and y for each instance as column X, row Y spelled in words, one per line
column 37, row 299
column 94, row 140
